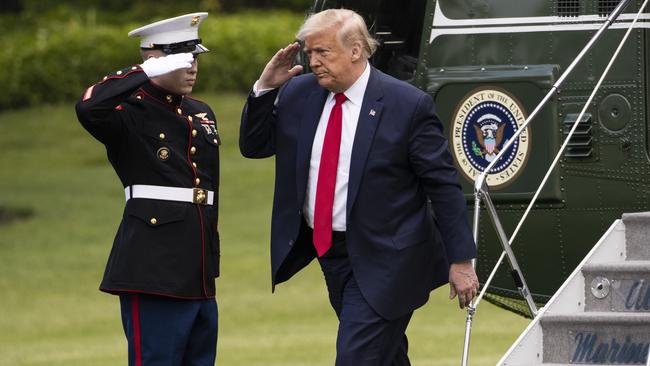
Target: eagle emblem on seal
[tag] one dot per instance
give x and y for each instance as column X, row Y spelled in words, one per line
column 489, row 133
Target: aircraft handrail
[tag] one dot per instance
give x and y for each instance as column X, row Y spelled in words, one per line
column 481, row 189
column 481, row 179
column 558, row 156
column 575, row 124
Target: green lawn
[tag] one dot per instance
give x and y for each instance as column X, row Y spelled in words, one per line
column 51, row 312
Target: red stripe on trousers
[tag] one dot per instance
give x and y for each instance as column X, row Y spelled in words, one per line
column 135, row 314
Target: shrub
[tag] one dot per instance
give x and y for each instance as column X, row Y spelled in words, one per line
column 241, row 46
column 59, row 59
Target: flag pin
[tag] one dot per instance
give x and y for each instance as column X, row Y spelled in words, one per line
column 372, row 112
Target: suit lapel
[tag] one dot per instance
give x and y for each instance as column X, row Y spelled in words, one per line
column 308, row 123
column 369, row 118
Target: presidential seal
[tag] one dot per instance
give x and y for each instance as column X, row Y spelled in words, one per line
column 484, row 120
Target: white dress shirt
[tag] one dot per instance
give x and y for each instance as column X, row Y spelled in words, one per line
column 351, row 111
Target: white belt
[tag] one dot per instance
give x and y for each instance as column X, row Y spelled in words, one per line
column 192, row 195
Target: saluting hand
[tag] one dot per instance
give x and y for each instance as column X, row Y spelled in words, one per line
column 463, row 282
column 156, row 66
column 280, row 69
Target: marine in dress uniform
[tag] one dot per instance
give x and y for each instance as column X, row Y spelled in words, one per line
column 164, row 147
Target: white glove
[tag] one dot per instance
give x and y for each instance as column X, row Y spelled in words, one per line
column 156, row 66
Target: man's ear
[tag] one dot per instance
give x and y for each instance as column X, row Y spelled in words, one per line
column 356, row 52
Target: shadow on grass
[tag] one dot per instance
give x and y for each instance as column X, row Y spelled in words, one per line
column 9, row 215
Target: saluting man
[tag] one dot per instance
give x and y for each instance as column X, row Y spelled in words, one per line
column 164, row 146
column 364, row 182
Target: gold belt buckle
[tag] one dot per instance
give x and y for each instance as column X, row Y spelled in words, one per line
column 200, row 196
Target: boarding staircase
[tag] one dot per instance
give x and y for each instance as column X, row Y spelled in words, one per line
column 601, row 314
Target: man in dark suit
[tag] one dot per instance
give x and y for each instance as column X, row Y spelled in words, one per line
column 164, row 147
column 364, row 182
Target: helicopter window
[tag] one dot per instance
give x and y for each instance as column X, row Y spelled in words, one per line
column 568, row 8
column 605, row 7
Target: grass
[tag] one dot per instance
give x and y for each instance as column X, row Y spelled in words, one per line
column 51, row 312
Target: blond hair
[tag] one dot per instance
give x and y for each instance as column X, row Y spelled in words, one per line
column 349, row 26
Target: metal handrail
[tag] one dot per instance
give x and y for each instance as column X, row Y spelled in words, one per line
column 572, row 131
column 481, row 180
column 481, row 191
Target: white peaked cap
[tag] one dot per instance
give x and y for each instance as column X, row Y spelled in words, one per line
column 172, row 32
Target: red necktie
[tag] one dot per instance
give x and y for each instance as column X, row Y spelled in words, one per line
column 329, row 161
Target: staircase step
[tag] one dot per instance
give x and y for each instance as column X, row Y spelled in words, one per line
column 596, row 338
column 637, row 235
column 617, row 286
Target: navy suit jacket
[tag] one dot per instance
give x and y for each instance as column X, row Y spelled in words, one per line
column 400, row 244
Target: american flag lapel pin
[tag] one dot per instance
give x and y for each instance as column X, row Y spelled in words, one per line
column 372, row 112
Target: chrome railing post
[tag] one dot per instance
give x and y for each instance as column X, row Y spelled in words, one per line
column 517, row 274
column 471, row 309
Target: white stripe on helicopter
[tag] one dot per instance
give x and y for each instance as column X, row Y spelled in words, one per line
column 442, row 25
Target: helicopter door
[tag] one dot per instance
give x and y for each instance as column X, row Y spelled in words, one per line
column 397, row 25
column 484, row 106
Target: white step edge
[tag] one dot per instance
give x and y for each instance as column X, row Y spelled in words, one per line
column 597, row 318
column 627, row 266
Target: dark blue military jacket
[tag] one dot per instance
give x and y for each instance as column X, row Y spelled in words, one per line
column 153, row 137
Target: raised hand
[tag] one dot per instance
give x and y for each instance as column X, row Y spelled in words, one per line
column 279, row 69
column 156, row 66
column 463, row 282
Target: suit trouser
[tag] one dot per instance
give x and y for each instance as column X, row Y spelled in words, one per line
column 364, row 337
column 163, row 331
